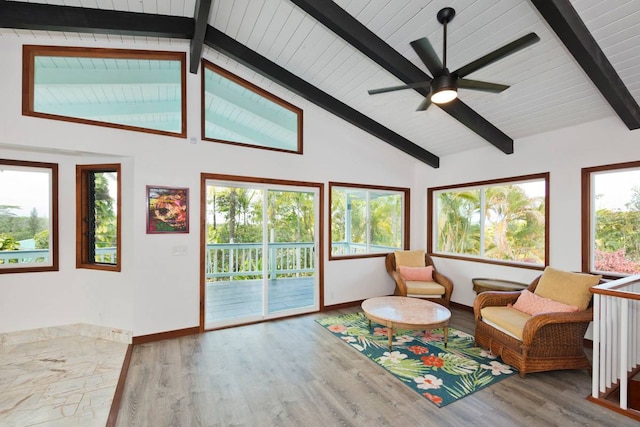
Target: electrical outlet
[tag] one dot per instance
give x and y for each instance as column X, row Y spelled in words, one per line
column 179, row 251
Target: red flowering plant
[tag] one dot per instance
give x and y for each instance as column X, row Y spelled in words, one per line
column 616, row 261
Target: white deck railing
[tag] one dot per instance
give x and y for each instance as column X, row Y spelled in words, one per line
column 230, row 260
column 616, row 344
column 24, row 256
column 39, row 256
column 350, row 248
column 235, row 260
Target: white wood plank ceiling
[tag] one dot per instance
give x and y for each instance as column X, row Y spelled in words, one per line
column 548, row 89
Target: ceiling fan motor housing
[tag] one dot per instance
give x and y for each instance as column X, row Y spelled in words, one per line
column 443, row 82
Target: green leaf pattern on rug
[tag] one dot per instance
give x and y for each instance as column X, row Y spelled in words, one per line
column 419, row 358
column 458, row 365
column 467, row 384
column 398, row 364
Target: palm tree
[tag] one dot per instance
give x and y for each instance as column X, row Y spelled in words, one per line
column 459, row 222
column 514, row 224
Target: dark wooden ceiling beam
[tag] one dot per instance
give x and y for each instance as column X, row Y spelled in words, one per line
column 34, row 16
column 238, row 52
column 569, row 27
column 201, row 16
column 359, row 36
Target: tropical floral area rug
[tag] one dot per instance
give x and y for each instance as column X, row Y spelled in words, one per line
column 420, row 359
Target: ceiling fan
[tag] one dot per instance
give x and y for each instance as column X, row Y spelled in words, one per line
column 443, row 88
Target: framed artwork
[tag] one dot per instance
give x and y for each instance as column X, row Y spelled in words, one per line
column 167, row 210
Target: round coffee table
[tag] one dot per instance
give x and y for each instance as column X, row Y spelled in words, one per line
column 406, row 313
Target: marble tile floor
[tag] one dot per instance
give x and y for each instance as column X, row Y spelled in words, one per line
column 64, row 381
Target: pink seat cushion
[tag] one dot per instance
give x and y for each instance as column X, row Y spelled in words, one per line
column 416, row 274
column 533, row 304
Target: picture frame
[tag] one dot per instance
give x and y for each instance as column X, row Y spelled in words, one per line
column 167, row 210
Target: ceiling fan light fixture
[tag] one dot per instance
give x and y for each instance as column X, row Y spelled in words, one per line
column 444, row 96
column 443, row 89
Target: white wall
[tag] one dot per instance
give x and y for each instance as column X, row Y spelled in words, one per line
column 156, row 291
column 562, row 153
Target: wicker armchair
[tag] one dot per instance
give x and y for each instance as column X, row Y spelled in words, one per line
column 404, row 288
column 550, row 341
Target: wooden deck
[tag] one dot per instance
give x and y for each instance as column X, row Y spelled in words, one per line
column 243, row 298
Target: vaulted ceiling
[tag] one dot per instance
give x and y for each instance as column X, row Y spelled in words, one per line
column 585, row 67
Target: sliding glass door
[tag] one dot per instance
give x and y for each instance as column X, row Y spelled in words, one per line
column 260, row 252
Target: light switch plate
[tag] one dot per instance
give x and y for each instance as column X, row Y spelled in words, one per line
column 179, row 251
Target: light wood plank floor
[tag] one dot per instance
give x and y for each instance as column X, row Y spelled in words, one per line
column 292, row 372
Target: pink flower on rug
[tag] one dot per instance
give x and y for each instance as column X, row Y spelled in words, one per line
column 339, row 329
column 380, row 331
column 433, row 361
column 349, row 339
column 428, row 382
column 497, row 368
column 416, row 349
column 428, row 336
column 435, row 399
column 403, row 339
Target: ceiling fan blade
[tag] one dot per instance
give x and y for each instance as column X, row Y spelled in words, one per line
column 424, row 104
column 401, row 87
column 429, row 56
column 497, row 54
column 474, row 121
column 483, row 86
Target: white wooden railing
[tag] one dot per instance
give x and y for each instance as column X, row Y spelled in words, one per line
column 350, row 248
column 38, row 256
column 244, row 260
column 24, row 256
column 616, row 340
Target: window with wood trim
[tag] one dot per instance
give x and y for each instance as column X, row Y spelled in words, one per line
column 367, row 220
column 500, row 221
column 135, row 90
column 98, row 241
column 235, row 111
column 28, row 216
column 610, row 218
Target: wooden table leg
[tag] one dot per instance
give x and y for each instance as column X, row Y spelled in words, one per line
column 390, row 335
column 446, row 336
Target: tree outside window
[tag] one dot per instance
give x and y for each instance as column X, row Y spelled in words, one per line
column 611, row 219
column 28, row 216
column 98, row 207
column 501, row 220
column 367, row 220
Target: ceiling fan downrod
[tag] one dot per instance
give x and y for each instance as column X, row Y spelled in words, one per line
column 445, row 16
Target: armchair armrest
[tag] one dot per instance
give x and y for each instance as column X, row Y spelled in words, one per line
column 401, row 285
column 543, row 326
column 493, row 299
column 443, row 280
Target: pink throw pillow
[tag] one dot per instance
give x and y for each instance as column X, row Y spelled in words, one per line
column 532, row 304
column 416, row 274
